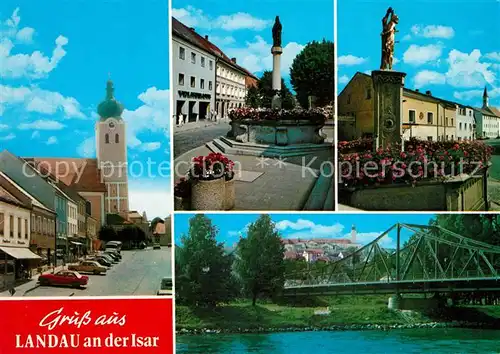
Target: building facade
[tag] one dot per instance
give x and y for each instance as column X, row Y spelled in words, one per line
column 231, row 87
column 487, row 119
column 425, row 116
column 466, row 124
column 194, row 74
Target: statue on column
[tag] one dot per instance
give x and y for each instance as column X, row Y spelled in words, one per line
column 277, row 32
column 389, row 23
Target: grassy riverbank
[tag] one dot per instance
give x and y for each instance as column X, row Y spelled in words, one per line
column 344, row 311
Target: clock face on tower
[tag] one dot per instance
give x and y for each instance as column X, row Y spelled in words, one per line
column 111, row 125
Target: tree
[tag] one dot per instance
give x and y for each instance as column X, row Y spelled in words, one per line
column 154, row 222
column 313, row 73
column 131, row 235
column 203, row 269
column 262, row 96
column 253, row 97
column 107, row 233
column 260, row 259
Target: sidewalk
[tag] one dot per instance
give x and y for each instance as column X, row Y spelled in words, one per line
column 198, row 125
column 29, row 285
column 266, row 183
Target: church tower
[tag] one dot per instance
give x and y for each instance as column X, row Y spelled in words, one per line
column 353, row 234
column 111, row 149
column 485, row 98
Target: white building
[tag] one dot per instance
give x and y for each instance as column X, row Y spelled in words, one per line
column 231, row 88
column 15, row 232
column 465, row 123
column 487, row 119
column 193, row 74
column 72, row 219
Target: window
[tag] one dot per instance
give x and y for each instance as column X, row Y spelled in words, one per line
column 447, row 121
column 460, row 126
column 19, row 227
column 429, row 138
column 451, row 121
column 181, row 79
column 2, row 224
column 368, row 93
column 106, row 138
column 26, row 228
column 33, row 222
column 202, row 62
column 210, row 85
column 430, row 117
column 193, row 82
column 202, row 84
column 211, row 65
column 117, row 138
column 39, row 225
column 412, row 115
column 182, row 53
column 349, row 98
column 193, row 58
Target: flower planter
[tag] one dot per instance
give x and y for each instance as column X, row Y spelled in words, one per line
column 182, row 203
column 208, row 194
column 229, row 194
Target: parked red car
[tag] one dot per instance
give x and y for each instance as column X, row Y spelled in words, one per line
column 64, row 277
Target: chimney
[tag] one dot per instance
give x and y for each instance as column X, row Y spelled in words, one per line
column 353, row 234
column 417, row 90
column 191, row 28
column 233, row 60
column 206, row 37
column 428, row 92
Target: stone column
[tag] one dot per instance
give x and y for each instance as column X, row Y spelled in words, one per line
column 388, row 107
column 276, row 51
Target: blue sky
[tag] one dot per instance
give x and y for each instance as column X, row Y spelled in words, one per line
column 55, row 57
column 369, row 226
column 242, row 29
column 449, row 47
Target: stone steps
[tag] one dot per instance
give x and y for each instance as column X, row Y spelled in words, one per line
column 321, row 197
column 230, row 147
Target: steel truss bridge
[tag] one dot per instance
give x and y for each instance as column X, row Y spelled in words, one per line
column 432, row 259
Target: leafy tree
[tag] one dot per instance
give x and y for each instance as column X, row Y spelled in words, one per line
column 203, row 269
column 154, row 222
column 107, row 233
column 262, row 96
column 313, row 73
column 260, row 264
column 253, row 97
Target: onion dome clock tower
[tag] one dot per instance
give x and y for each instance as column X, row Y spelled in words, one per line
column 111, row 150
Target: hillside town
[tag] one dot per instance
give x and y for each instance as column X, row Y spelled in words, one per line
column 57, row 210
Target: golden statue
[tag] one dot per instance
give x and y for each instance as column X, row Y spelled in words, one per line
column 388, row 38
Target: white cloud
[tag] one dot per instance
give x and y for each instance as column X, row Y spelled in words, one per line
column 87, row 148
column 418, row 55
column 475, row 94
column 466, row 70
column 35, row 134
column 52, row 140
column 344, row 79
column 154, row 199
column 148, row 147
column 406, row 37
column 256, row 55
column 41, row 125
column 222, row 41
column 349, row 60
column 493, row 56
column 428, row 77
column 3, row 127
column 193, row 17
column 303, row 228
column 11, row 136
column 433, row 31
column 153, row 116
column 25, row 35
column 40, row 101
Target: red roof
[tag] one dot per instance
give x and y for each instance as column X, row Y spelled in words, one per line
column 314, row 251
column 292, row 241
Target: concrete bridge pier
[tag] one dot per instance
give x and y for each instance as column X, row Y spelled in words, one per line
column 397, row 302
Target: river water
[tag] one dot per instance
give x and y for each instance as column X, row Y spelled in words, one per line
column 429, row 341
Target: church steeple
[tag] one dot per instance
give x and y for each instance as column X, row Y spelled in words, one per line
column 110, row 107
column 485, row 97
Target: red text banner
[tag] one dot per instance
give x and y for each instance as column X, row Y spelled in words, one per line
column 86, row 326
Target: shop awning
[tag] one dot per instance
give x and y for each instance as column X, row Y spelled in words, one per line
column 20, row 253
